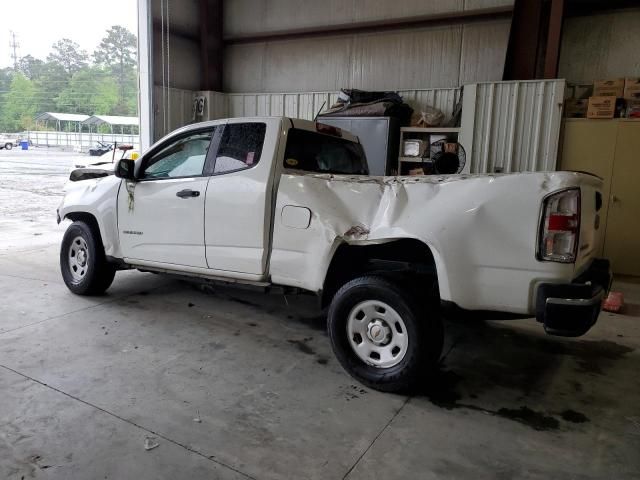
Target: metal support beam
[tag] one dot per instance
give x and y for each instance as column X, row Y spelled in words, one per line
column 211, row 44
column 145, row 74
column 450, row 18
column 524, row 39
column 554, row 37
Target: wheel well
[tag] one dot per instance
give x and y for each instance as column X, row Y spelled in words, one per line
column 407, row 261
column 89, row 219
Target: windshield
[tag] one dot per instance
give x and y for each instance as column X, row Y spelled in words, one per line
column 317, row 152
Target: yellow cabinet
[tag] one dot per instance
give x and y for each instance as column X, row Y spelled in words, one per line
column 611, row 150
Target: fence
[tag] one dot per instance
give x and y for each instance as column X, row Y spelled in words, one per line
column 78, row 141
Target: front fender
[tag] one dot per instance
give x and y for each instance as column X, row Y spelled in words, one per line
column 99, row 198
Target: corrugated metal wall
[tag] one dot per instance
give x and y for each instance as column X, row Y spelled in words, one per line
column 297, row 104
column 436, row 57
column 306, row 105
column 171, row 110
column 274, row 15
column 512, row 126
column 601, row 46
column 442, row 56
column 439, row 57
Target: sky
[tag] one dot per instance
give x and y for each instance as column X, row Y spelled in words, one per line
column 40, row 23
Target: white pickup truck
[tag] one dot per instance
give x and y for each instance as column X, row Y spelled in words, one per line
column 282, row 203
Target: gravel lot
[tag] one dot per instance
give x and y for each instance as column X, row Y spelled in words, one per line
column 31, row 187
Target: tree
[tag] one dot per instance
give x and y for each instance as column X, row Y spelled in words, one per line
column 66, row 82
column 6, row 74
column 90, row 90
column 19, row 104
column 53, row 80
column 69, row 55
column 30, row 67
column 117, row 52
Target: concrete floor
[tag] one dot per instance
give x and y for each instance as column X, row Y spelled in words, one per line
column 233, row 385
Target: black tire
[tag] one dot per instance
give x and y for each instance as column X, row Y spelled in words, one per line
column 423, row 327
column 98, row 274
column 8, row 146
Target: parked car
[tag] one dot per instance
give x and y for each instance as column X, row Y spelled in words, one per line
column 288, row 204
column 7, row 143
column 100, row 149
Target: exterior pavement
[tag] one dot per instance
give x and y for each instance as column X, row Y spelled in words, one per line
column 233, row 384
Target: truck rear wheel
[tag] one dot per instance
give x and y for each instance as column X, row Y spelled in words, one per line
column 8, row 146
column 84, row 267
column 383, row 336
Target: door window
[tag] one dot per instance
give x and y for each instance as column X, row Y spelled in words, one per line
column 184, row 157
column 240, row 147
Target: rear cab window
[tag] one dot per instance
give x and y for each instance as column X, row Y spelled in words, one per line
column 240, row 147
column 321, row 153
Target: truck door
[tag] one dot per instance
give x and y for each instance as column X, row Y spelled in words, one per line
column 161, row 215
column 238, row 206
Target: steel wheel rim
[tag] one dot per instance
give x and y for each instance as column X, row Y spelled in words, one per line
column 78, row 259
column 377, row 334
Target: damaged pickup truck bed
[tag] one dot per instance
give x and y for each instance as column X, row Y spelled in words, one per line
column 287, row 203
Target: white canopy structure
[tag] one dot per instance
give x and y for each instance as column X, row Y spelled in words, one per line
column 112, row 120
column 74, row 119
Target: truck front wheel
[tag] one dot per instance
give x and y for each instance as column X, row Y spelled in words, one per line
column 84, row 267
column 383, row 336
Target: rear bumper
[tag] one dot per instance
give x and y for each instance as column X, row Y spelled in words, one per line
column 571, row 309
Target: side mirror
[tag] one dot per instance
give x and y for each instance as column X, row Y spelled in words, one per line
column 125, row 168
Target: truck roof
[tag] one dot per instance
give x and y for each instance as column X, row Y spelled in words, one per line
column 294, row 122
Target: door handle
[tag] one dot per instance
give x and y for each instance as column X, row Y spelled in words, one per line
column 188, row 193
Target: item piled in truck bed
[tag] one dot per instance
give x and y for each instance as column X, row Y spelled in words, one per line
column 360, row 103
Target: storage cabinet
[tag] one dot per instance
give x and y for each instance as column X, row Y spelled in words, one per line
column 611, row 150
column 427, row 135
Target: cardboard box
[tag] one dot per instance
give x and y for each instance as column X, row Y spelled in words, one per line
column 575, row 108
column 633, row 109
column 601, row 107
column 632, row 88
column 612, row 87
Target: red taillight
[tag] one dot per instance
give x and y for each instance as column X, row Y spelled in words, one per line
column 328, row 129
column 563, row 223
column 560, row 227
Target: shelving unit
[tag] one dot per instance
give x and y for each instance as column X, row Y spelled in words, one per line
column 428, row 135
